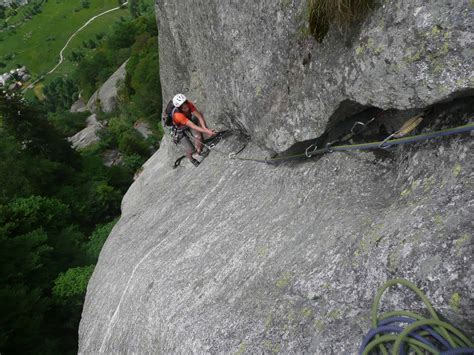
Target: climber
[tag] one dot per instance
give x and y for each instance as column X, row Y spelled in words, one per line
column 188, row 126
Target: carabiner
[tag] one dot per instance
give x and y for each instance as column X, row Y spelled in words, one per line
column 308, row 155
column 358, row 123
column 384, row 144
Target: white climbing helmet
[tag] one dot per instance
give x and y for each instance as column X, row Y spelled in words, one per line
column 178, row 100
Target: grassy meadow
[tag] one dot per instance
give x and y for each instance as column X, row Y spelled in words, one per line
column 102, row 24
column 37, row 42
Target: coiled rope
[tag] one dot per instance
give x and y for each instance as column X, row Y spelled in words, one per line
column 420, row 336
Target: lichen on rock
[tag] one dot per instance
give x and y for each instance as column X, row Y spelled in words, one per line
column 240, row 257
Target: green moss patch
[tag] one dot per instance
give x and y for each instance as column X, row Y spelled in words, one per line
column 323, row 13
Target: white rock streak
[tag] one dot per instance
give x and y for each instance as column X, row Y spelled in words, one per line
column 131, row 278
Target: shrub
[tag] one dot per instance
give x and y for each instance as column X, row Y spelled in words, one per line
column 130, row 142
column 321, row 13
column 107, row 199
column 72, row 283
column 33, row 212
column 97, row 240
column 60, row 94
column 133, row 162
column 107, row 140
column 100, row 35
column 92, row 44
column 76, row 56
column 68, row 123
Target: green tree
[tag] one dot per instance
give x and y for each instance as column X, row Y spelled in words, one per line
column 97, row 240
column 68, row 296
column 123, row 35
column 72, row 284
column 15, row 170
column 60, row 94
column 146, row 85
column 134, row 6
column 131, row 142
column 76, row 56
column 28, row 127
column 91, row 72
column 68, row 123
column 50, row 199
column 32, row 152
column 22, row 301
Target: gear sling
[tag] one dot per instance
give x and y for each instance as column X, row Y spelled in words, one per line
column 178, row 132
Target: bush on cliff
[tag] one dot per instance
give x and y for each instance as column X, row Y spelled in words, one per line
column 323, row 13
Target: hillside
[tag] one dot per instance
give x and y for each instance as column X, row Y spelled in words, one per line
column 36, row 44
column 62, row 182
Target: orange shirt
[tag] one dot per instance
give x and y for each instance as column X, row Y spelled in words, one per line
column 180, row 119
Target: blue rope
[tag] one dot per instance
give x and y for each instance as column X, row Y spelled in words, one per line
column 422, row 137
column 391, row 329
column 458, row 351
column 430, row 330
column 412, row 332
column 373, row 145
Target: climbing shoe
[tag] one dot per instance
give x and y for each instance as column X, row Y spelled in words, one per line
column 195, row 162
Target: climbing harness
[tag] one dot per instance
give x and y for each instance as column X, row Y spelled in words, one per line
column 419, row 336
column 386, row 143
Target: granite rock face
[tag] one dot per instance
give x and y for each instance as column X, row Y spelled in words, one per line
column 17, row 2
column 236, row 256
column 143, row 128
column 241, row 257
column 88, row 135
column 78, row 106
column 248, row 63
column 112, row 157
column 105, row 99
